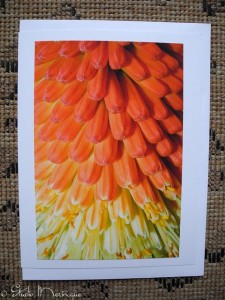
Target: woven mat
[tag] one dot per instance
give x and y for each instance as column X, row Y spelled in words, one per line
column 212, row 285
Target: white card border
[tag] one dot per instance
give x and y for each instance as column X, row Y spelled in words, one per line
column 196, row 40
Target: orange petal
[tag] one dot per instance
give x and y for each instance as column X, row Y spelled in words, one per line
column 86, row 71
column 158, row 181
column 89, row 172
column 114, row 99
column 43, row 170
column 135, row 69
column 97, row 127
column 38, row 90
column 157, row 68
column 149, row 49
column 85, row 109
column 175, row 84
column 40, row 71
column 107, row 187
column 38, row 46
column 81, row 194
column 48, row 131
column 42, row 111
column 105, row 152
column 53, row 91
column 175, row 101
column 86, row 46
column 143, row 192
column 124, row 43
column 156, row 106
column 62, row 175
column 176, row 156
column 135, row 144
column 140, row 43
column 170, row 62
column 121, row 207
column 99, row 56
column 179, row 74
column 125, row 169
column 172, row 124
column 172, row 193
column 180, row 133
column 136, row 106
column 151, row 130
column 165, row 147
column 58, row 152
column 69, row 49
column 121, row 125
column 73, row 93
column 68, row 130
column 48, row 52
column 156, row 86
column 96, row 87
column 41, row 151
column 62, row 203
column 68, row 70
column 80, row 148
column 117, row 56
column 52, row 71
column 151, row 163
column 163, row 179
column 60, row 112
column 48, row 91
column 96, row 217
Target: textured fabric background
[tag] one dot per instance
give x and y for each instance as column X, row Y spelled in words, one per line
column 212, row 285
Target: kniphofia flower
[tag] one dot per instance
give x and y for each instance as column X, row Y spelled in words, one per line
column 108, row 149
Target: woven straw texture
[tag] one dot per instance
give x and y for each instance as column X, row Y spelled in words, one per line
column 210, row 286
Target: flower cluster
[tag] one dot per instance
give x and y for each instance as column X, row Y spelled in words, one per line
column 108, row 149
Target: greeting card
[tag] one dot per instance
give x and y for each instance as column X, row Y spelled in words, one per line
column 113, row 148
